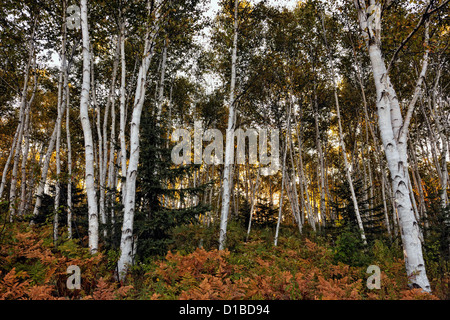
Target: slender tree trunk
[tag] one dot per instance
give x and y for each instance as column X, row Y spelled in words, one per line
column 160, row 98
column 62, row 84
column 102, row 133
column 69, row 168
column 8, row 160
column 342, row 143
column 293, row 195
column 303, row 183
column 123, row 146
column 319, row 152
column 112, row 139
column 254, row 195
column 228, row 166
column 100, row 151
column 439, row 120
column 301, row 177
column 22, row 110
column 280, row 209
column 127, row 242
column 377, row 152
column 23, row 179
column 87, row 132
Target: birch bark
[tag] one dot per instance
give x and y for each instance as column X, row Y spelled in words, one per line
column 87, row 133
column 62, row 84
column 127, row 242
column 22, row 110
column 228, row 166
column 393, row 131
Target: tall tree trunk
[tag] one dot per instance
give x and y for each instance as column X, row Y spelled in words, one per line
column 440, row 124
column 393, row 130
column 304, row 208
column 62, row 84
column 27, row 130
column 254, row 195
column 304, row 190
column 228, row 166
column 23, row 179
column 22, row 110
column 87, row 132
column 160, row 97
column 320, row 156
column 341, row 141
column 292, row 190
column 280, row 208
column 127, row 242
column 8, row 160
column 69, row 168
column 102, row 132
column 123, row 146
column 112, row 138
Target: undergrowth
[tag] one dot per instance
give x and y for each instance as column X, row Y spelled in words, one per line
column 299, row 268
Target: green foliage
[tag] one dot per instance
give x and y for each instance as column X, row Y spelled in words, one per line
column 372, row 215
column 187, row 238
column 158, row 184
column 297, row 268
column 437, row 245
column 350, row 249
column 437, row 239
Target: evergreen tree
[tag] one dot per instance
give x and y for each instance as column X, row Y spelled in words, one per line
column 372, row 216
column 162, row 202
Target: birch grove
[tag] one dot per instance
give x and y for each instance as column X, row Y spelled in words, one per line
column 118, row 123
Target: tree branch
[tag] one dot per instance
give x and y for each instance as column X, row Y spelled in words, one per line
column 404, row 129
column 427, row 13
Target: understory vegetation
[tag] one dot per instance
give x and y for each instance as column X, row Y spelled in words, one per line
column 307, row 267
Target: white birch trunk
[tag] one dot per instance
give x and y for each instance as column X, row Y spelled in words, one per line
column 112, row 139
column 229, row 145
column 280, row 209
column 159, row 100
column 25, row 159
column 8, row 160
column 440, row 124
column 27, row 130
column 320, row 154
column 69, row 168
column 45, row 166
column 62, row 84
column 123, row 147
column 87, row 133
column 127, row 245
column 253, row 201
column 101, row 154
column 18, row 145
column 391, row 124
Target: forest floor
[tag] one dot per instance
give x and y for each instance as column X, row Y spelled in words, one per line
column 306, row 268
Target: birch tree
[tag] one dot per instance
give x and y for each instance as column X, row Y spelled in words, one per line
column 62, row 96
column 127, row 241
column 341, row 137
column 69, row 168
column 87, row 133
column 229, row 145
column 393, row 130
column 23, row 114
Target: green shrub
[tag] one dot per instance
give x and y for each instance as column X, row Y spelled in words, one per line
column 350, row 249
